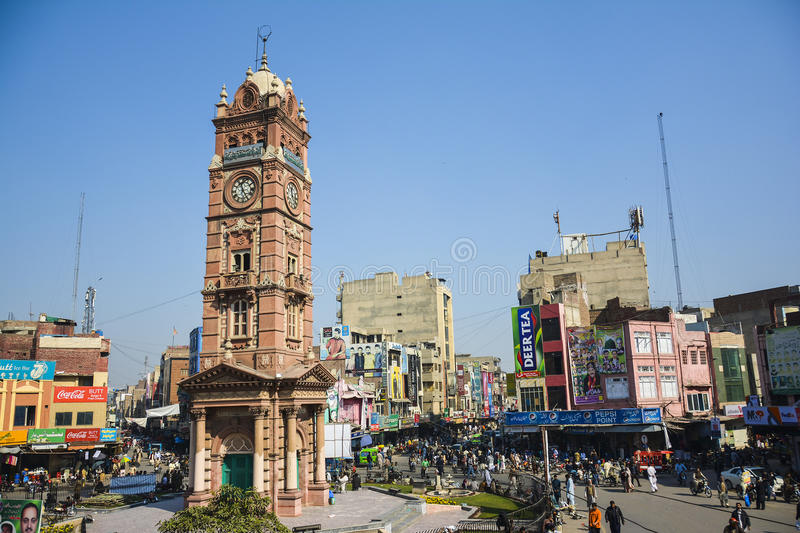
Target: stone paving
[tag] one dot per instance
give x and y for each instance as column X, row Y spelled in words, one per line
column 139, row 519
column 351, row 508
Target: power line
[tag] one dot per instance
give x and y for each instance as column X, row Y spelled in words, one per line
column 150, row 308
column 481, row 314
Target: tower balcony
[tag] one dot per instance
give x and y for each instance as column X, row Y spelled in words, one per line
column 298, row 284
column 237, row 280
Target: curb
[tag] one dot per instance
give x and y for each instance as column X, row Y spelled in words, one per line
column 104, row 510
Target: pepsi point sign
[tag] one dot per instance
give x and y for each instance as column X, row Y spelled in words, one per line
column 585, row 417
column 80, row 394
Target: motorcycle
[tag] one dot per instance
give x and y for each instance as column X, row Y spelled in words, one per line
column 791, row 493
column 701, row 487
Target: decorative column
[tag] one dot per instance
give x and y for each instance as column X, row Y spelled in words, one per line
column 199, row 419
column 290, row 457
column 319, row 470
column 258, row 413
column 192, row 438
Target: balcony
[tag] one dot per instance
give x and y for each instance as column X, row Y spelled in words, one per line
column 237, row 280
column 298, row 284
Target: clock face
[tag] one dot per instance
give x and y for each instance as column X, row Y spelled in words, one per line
column 243, row 189
column 291, row 195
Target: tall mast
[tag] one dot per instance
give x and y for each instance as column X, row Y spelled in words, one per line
column 77, row 259
column 669, row 209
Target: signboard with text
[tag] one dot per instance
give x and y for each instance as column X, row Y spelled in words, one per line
column 108, row 435
column 528, row 352
column 588, row 417
column 46, row 436
column 80, row 394
column 82, row 435
column 26, row 369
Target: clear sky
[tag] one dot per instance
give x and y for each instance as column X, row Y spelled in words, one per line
column 445, row 134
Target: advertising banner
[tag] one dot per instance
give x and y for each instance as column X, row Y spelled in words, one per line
column 82, row 435
column 783, row 356
column 15, row 436
column 413, row 378
column 489, row 393
column 771, row 416
column 461, row 390
column 476, row 389
column 24, row 369
column 80, row 394
column 611, row 350
column 592, row 417
column 334, row 342
column 374, row 421
column 21, row 516
column 527, row 331
column 485, row 392
column 46, row 436
column 396, row 384
column 586, row 382
column 141, row 484
column 332, row 397
column 108, row 435
column 366, row 359
column 195, row 347
column 734, row 410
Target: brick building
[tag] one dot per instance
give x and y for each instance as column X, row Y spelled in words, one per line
column 174, row 367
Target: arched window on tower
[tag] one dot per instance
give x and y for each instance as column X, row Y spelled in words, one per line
column 240, row 308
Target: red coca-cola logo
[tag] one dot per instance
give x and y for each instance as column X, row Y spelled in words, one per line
column 76, row 394
column 80, row 394
column 82, row 435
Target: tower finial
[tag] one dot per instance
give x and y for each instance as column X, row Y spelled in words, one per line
column 223, row 94
column 264, row 60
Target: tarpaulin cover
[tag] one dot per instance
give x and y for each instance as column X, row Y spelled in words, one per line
column 167, row 410
column 337, row 441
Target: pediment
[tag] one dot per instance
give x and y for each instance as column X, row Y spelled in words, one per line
column 317, row 375
column 224, row 374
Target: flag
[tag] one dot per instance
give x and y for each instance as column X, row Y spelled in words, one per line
column 174, row 331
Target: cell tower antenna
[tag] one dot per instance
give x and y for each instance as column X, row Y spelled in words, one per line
column 88, row 311
column 77, row 258
column 669, row 210
column 263, row 33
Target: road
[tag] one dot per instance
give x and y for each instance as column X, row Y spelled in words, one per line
column 671, row 509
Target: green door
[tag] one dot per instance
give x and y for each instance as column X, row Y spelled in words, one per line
column 237, row 470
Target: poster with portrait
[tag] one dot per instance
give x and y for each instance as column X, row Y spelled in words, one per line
column 366, row 359
column 584, row 366
column 21, row 516
column 610, row 350
column 396, row 383
column 334, row 342
column 783, row 356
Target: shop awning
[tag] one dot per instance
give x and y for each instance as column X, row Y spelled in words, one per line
column 366, row 440
column 10, row 449
column 167, row 410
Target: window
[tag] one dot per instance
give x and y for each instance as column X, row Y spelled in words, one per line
column 291, row 264
column 184, row 371
column 241, row 261
column 693, row 354
column 531, row 399
column 667, row 369
column 647, row 387
column 734, row 391
column 25, row 415
column 63, row 419
column 291, row 321
column 647, row 368
column 684, row 358
column 85, row 418
column 616, row 388
column 553, row 364
column 239, row 318
column 85, row 381
column 698, row 401
column 644, row 343
column 730, row 363
column 664, row 341
column 669, row 386
column 551, row 329
column 703, row 360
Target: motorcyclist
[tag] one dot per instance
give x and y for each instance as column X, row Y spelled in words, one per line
column 697, row 480
column 680, row 472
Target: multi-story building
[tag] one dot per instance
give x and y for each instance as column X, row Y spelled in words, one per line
column 415, row 312
column 490, row 365
column 258, row 402
column 174, row 367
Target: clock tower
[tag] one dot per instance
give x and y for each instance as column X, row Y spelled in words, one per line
column 258, row 401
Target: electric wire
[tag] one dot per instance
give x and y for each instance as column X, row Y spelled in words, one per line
column 149, row 308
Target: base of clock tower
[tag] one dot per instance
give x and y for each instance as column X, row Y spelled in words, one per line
column 290, row 503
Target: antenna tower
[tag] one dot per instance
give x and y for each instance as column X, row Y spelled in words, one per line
column 263, row 33
column 77, row 258
column 88, row 311
column 669, row 209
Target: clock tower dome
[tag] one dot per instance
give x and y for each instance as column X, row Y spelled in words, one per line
column 257, row 290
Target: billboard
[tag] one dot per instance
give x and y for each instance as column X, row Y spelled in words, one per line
column 527, row 331
column 46, row 436
column 27, row 369
column 396, row 383
column 108, row 435
column 195, row 347
column 460, row 384
column 583, row 362
column 413, row 378
column 485, row 392
column 783, row 357
column 334, row 342
column 475, row 387
column 366, row 359
column 771, row 416
column 489, row 387
column 611, row 350
column 80, row 394
column 588, row 417
column 82, row 435
column 17, row 516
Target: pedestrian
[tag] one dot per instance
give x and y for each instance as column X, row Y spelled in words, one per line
column 570, row 491
column 614, row 517
column 732, row 527
column 623, row 477
column 591, row 494
column 556, row 484
column 636, row 471
column 651, row 476
column 595, row 519
column 741, row 517
column 723, row 493
column 761, row 493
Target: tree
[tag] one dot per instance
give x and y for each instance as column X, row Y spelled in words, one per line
column 231, row 510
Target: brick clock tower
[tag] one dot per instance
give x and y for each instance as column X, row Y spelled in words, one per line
column 257, row 403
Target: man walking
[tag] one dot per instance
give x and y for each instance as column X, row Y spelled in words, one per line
column 635, row 470
column 556, row 484
column 595, row 519
column 741, row 517
column 651, row 476
column 761, row 493
column 614, row 517
column 570, row 491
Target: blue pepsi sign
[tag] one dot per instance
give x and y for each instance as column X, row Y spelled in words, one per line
column 585, row 417
column 27, row 369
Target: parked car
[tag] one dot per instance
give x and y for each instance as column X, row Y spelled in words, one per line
column 738, row 478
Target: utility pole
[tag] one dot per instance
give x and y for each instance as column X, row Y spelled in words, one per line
column 669, row 209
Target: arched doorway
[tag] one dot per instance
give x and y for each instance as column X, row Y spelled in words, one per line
column 237, row 463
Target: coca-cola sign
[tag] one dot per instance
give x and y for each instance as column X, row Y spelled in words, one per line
column 82, row 435
column 80, row 394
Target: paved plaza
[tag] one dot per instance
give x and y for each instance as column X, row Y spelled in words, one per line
column 139, row 519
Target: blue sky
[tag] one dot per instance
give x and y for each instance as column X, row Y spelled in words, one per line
column 435, row 126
